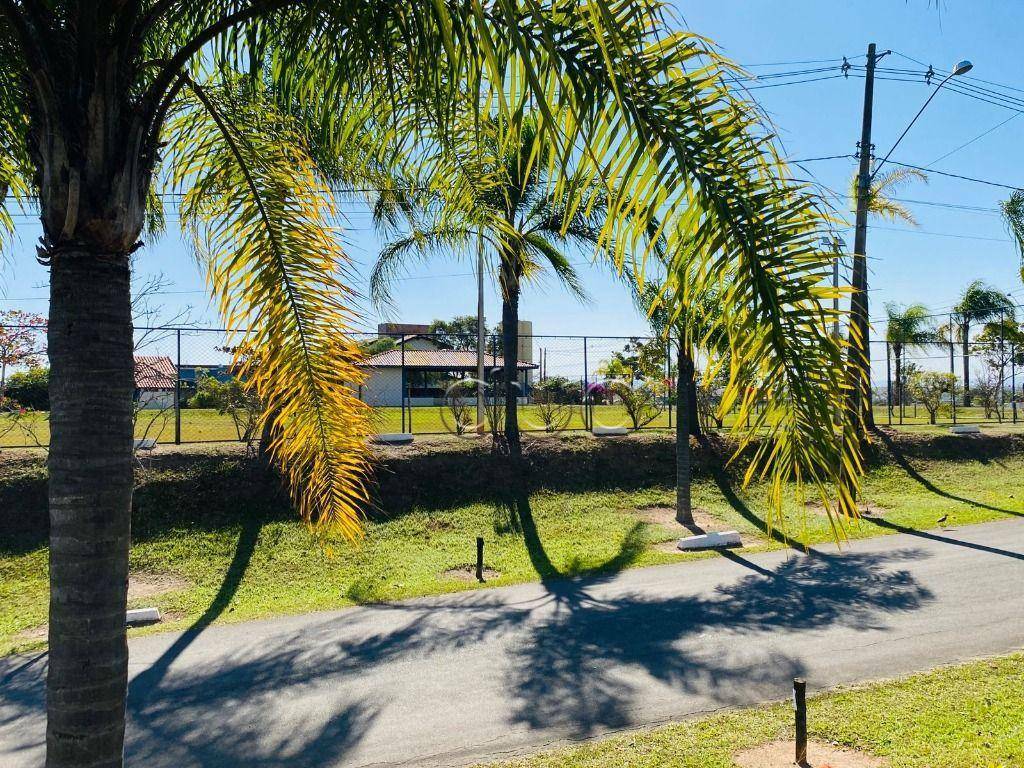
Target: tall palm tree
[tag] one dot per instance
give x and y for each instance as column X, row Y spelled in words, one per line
column 101, row 100
column 882, row 204
column 979, row 303
column 525, row 220
column 909, row 327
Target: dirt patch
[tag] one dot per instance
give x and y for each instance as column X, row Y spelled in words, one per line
column 468, row 573
column 866, row 509
column 703, row 522
column 32, row 633
column 779, row 754
column 141, row 585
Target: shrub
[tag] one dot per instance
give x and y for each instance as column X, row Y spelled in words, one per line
column 929, row 389
column 643, row 404
column 30, row 389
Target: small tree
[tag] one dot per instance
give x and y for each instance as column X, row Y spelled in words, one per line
column 30, row 389
column 22, row 341
column 552, row 404
column 232, row 398
column 643, row 404
column 457, row 407
column 929, row 388
column 987, row 391
column 458, row 333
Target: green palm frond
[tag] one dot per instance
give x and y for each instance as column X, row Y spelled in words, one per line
column 881, row 201
column 443, row 240
column 1013, row 215
column 910, row 326
column 259, row 216
column 567, row 275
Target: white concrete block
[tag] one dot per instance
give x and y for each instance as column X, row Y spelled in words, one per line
column 711, row 540
column 394, row 438
column 609, row 431
column 137, row 616
column 966, row 429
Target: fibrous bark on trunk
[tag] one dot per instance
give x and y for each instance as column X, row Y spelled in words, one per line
column 510, row 352
column 90, row 493
column 684, row 422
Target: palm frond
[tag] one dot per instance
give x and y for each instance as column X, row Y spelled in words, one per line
column 259, row 216
column 445, row 240
column 1013, row 215
column 558, row 263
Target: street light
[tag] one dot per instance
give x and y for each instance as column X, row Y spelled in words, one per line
column 961, row 68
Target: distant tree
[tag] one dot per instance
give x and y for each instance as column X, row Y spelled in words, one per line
column 909, row 327
column 30, row 389
column 376, row 346
column 987, row 390
column 457, row 333
column 22, row 341
column 929, row 388
column 978, row 303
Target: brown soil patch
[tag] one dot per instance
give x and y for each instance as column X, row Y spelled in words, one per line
column 866, row 509
column 33, row 633
column 142, row 585
column 779, row 754
column 468, row 573
column 703, row 522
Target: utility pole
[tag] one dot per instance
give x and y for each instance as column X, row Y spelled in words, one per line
column 858, row 405
column 480, row 332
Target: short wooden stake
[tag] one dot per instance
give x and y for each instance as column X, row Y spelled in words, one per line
column 800, row 707
column 480, row 558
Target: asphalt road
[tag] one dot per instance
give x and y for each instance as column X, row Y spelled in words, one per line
column 484, row 675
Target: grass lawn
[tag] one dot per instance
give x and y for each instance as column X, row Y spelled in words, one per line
column 206, row 425
column 249, row 558
column 967, row 716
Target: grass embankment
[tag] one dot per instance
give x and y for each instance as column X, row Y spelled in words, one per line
column 221, row 538
column 967, row 716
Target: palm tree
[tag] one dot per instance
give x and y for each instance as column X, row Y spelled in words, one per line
column 1013, row 215
column 698, row 320
column 882, row 204
column 102, row 100
column 523, row 218
column 907, row 328
column 979, row 303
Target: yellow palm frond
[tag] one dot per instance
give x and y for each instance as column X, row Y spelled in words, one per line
column 259, row 216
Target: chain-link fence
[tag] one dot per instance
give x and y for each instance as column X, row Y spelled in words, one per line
column 187, row 392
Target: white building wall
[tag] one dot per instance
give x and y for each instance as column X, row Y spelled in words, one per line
column 383, row 387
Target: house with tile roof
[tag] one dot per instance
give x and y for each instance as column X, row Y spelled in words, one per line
column 155, row 381
column 425, row 369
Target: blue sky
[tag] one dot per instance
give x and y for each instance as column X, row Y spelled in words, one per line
column 930, row 264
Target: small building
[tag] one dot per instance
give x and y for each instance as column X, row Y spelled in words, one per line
column 155, row 382
column 425, row 370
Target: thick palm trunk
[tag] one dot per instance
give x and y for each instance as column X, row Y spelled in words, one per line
column 684, row 426
column 898, row 354
column 510, row 353
column 90, row 465
column 967, row 368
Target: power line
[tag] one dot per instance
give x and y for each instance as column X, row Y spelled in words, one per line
column 980, row 136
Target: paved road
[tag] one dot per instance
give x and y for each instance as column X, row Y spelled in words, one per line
column 451, row 680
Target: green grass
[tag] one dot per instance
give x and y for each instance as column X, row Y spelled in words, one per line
column 967, row 716
column 257, row 561
column 206, row 425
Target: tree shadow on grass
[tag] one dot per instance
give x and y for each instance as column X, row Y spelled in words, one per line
column 904, row 463
column 247, row 539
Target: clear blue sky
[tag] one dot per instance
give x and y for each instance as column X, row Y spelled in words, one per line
column 931, row 264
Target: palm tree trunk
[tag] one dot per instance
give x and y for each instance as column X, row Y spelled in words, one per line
column 967, row 367
column 510, row 343
column 90, row 492
column 684, row 426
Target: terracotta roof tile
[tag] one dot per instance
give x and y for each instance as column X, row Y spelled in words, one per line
column 154, row 372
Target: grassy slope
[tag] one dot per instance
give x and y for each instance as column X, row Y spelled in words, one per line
column 252, row 559
column 968, row 716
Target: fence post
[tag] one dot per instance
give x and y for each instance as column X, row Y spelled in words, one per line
column 403, row 384
column 1002, row 365
column 800, row 710
column 177, row 392
column 588, row 414
column 1013, row 380
column 888, row 381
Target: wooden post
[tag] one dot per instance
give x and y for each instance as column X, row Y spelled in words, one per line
column 480, row 559
column 800, row 707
